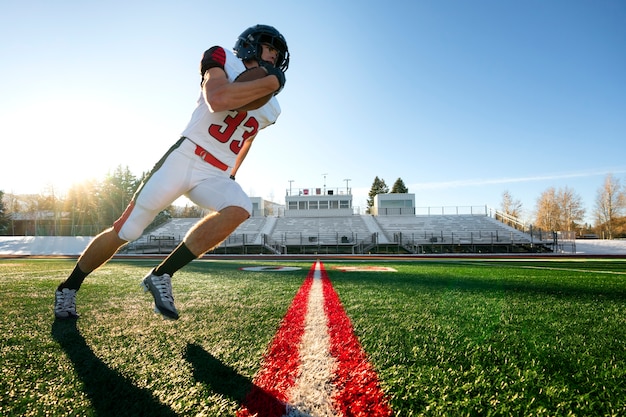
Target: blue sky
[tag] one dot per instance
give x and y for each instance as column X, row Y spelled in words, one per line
column 461, row 99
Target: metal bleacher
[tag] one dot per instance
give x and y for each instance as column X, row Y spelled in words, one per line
column 464, row 233
column 468, row 233
column 319, row 230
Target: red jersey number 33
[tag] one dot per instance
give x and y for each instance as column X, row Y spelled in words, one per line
column 224, row 133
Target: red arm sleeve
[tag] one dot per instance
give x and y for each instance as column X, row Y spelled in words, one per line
column 213, row 57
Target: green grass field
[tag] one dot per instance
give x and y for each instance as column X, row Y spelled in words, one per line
column 447, row 337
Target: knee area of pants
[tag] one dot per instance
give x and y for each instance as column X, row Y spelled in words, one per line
column 130, row 233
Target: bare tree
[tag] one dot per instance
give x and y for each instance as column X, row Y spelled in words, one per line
column 509, row 205
column 559, row 210
column 571, row 209
column 511, row 209
column 546, row 216
column 610, row 204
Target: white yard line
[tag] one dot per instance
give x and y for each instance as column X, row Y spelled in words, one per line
column 574, row 270
column 313, row 390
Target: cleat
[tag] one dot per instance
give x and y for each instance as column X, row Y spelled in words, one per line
column 161, row 289
column 65, row 304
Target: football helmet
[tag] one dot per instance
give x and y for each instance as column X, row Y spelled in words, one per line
column 248, row 45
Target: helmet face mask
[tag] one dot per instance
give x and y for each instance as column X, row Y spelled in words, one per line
column 248, row 45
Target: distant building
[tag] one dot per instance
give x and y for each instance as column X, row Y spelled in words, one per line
column 318, row 202
column 394, row 204
column 261, row 207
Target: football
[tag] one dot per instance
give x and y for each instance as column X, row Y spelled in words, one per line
column 252, row 74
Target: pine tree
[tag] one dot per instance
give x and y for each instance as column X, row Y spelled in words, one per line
column 399, row 187
column 4, row 216
column 116, row 192
column 378, row 187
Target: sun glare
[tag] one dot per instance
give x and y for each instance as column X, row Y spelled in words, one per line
column 67, row 141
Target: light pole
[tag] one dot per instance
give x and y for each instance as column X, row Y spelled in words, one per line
column 290, row 181
column 324, row 183
column 347, row 180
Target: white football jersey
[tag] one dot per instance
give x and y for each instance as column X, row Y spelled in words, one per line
column 224, row 133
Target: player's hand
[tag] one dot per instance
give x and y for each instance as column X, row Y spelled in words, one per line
column 272, row 70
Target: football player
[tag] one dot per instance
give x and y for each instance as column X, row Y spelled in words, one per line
column 201, row 165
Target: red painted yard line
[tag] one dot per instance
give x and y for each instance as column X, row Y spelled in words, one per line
column 358, row 388
column 278, row 372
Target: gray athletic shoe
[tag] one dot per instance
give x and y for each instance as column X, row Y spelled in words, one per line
column 161, row 289
column 65, row 304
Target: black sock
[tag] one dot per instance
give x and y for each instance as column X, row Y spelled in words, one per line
column 75, row 279
column 176, row 260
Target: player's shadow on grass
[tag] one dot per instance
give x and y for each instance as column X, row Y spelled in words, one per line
column 225, row 380
column 110, row 393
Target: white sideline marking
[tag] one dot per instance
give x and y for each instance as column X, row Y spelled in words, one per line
column 549, row 268
column 312, row 392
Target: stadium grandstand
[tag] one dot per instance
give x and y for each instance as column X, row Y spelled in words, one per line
column 323, row 221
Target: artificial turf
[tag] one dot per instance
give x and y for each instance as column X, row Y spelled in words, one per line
column 464, row 337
